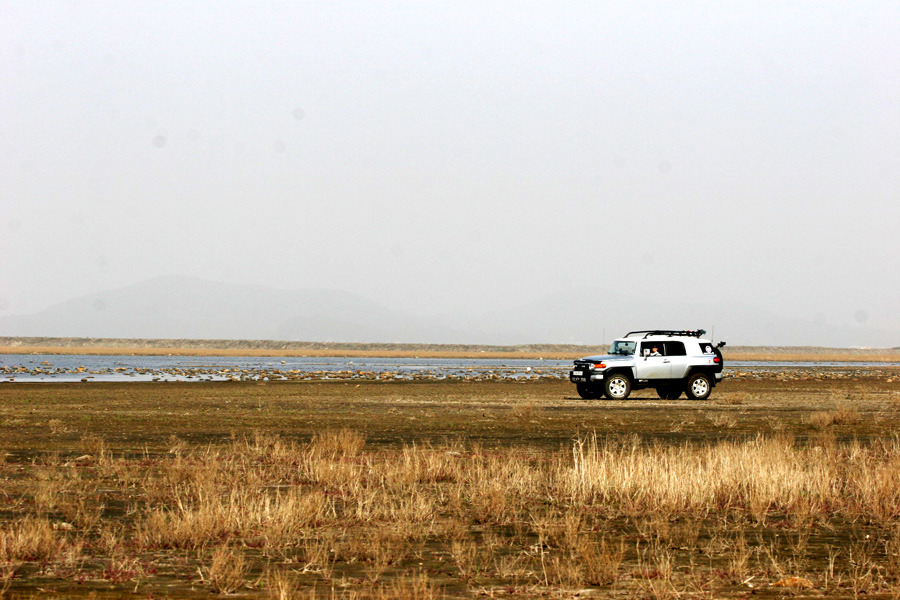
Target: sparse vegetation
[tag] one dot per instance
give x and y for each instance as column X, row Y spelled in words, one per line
column 196, row 347
column 523, row 493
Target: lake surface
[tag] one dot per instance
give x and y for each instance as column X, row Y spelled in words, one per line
column 78, row 367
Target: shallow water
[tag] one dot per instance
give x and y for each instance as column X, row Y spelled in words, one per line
column 219, row 368
column 79, row 367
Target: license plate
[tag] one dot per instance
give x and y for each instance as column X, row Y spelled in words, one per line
column 578, row 373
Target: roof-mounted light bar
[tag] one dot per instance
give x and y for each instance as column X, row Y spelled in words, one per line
column 668, row 332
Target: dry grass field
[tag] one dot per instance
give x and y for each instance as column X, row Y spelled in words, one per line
column 777, row 486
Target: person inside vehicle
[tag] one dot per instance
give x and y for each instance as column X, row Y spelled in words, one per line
column 655, row 352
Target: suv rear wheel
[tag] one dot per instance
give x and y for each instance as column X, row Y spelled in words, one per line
column 617, row 386
column 698, row 386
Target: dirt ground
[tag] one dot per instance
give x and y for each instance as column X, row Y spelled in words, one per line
column 136, row 417
column 44, row 425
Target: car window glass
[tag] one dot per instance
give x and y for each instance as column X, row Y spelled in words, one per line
column 622, row 348
column 647, row 348
column 675, row 349
column 707, row 348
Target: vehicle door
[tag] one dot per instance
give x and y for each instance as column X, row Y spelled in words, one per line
column 678, row 360
column 651, row 362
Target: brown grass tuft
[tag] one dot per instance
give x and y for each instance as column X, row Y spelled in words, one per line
column 226, row 572
column 601, row 562
column 31, row 539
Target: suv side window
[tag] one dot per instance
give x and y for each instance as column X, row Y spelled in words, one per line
column 675, row 349
column 647, row 348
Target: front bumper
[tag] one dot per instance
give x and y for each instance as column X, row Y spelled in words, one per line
column 585, row 376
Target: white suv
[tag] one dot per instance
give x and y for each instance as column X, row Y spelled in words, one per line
column 670, row 361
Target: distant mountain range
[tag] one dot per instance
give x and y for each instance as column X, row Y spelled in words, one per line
column 189, row 307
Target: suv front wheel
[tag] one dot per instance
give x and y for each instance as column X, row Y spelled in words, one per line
column 588, row 392
column 617, row 387
column 698, row 386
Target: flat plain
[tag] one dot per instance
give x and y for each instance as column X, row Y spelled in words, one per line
column 785, row 483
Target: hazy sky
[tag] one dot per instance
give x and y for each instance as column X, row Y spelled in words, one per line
column 430, row 155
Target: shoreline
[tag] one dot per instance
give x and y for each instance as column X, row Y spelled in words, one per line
column 81, row 346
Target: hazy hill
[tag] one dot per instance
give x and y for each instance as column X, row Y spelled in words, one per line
column 188, row 307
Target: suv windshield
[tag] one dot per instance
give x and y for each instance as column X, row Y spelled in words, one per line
column 621, row 347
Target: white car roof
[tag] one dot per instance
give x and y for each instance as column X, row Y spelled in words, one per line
column 662, row 338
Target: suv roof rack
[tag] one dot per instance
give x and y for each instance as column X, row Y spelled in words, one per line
column 669, row 332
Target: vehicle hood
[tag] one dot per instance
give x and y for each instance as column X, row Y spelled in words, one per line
column 606, row 358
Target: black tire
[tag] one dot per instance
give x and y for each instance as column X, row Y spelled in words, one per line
column 587, row 391
column 668, row 392
column 699, row 386
column 617, row 386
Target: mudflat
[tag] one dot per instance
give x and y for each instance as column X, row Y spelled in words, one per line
column 782, row 483
column 37, row 418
